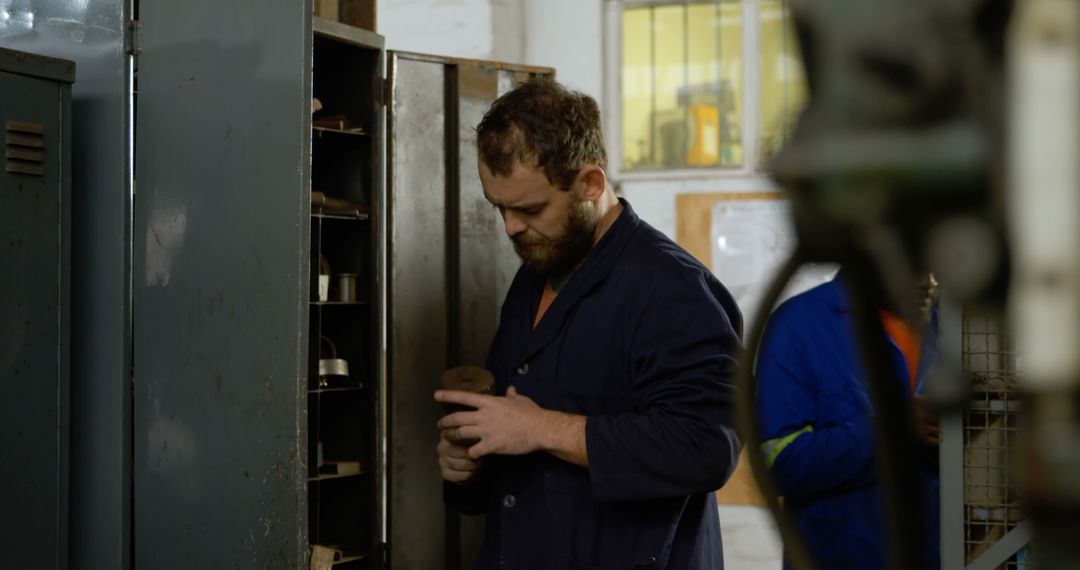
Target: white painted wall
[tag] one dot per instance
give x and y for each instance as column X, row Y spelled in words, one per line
column 567, row 35
column 473, row 29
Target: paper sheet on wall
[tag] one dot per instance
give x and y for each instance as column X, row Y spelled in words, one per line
column 751, row 239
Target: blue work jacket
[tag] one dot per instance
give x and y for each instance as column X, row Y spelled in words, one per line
column 642, row 340
column 809, row 376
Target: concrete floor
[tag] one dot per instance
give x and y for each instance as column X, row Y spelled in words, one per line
column 750, row 539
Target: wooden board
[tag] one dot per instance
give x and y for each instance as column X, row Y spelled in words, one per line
column 357, row 13
column 741, row 489
column 327, row 9
column 693, row 219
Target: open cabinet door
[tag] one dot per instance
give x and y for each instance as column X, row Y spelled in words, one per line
column 449, row 267
column 220, row 283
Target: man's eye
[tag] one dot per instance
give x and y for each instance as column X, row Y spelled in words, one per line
column 531, row 211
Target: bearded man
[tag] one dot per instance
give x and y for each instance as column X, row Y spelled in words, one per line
column 611, row 423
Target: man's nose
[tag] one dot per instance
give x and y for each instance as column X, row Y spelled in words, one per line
column 514, row 223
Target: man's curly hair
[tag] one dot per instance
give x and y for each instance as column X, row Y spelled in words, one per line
column 543, row 122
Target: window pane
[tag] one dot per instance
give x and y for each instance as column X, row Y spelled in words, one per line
column 637, row 88
column 729, row 22
column 669, row 64
column 682, row 85
column 783, row 85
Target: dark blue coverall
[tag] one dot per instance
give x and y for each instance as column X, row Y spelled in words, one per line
column 642, row 340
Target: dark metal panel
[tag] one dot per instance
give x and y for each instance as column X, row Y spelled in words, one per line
column 221, row 230
column 91, row 33
column 418, row 300
column 34, row 327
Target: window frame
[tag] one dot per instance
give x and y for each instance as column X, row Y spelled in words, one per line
column 612, row 93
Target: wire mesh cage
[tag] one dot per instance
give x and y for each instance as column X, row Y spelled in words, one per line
column 991, row 437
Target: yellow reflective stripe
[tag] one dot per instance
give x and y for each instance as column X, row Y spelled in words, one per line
column 773, row 447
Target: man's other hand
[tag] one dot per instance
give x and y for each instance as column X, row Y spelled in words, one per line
column 454, row 461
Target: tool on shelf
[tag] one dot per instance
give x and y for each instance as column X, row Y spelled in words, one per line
column 333, row 366
column 330, row 205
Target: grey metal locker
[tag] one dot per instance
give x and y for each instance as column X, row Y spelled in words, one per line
column 35, row 307
column 95, row 35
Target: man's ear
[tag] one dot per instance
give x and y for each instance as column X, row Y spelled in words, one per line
column 591, row 182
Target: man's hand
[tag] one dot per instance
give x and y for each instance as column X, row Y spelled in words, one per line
column 510, row 425
column 926, row 422
column 454, row 461
column 513, row 425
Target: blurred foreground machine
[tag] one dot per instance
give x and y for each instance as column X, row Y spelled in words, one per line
column 943, row 135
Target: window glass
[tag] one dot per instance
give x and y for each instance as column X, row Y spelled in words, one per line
column 783, row 90
column 682, row 78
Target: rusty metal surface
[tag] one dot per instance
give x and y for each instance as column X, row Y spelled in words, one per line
column 418, row 300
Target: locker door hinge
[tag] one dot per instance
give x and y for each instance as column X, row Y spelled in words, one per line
column 133, row 37
column 382, row 91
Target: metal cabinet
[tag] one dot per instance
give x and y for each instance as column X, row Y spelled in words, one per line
column 201, row 410
column 35, row 305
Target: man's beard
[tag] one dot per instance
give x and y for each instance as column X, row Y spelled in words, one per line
column 562, row 254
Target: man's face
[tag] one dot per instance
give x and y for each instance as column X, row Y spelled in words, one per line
column 552, row 229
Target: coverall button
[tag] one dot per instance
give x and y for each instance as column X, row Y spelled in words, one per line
column 509, row 501
column 523, row 369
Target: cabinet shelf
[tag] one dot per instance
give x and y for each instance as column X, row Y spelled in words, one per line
column 345, row 557
column 357, row 132
column 338, row 389
column 329, row 476
column 357, row 217
column 338, row 303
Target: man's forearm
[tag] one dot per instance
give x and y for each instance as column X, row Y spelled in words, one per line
column 564, row 437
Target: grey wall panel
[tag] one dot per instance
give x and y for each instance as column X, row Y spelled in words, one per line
column 220, row 281
column 91, row 33
column 33, row 329
column 418, row 300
